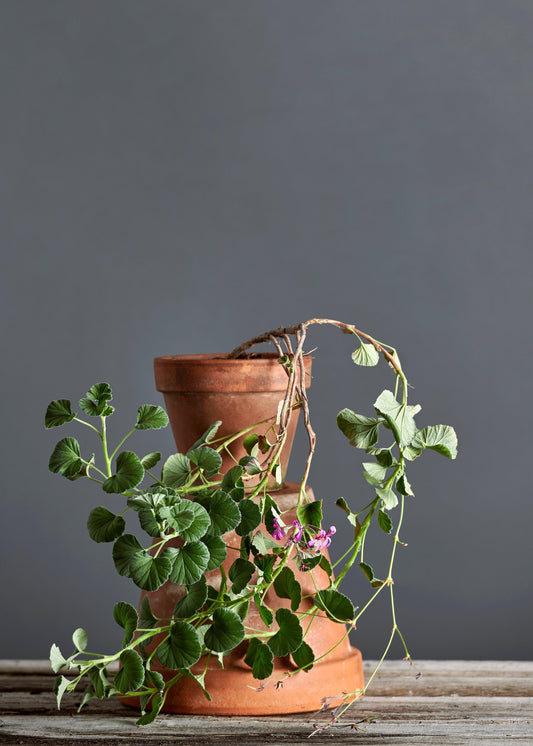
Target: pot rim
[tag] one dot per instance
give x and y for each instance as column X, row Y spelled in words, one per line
column 215, row 372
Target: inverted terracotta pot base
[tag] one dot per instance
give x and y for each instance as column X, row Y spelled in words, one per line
column 233, row 689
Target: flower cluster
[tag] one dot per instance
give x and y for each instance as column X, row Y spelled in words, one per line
column 317, row 543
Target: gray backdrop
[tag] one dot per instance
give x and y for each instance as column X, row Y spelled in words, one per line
column 177, row 176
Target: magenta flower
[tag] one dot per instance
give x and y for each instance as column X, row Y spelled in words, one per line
column 299, row 529
column 322, row 539
column 278, row 533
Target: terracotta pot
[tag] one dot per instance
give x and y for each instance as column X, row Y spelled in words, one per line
column 198, row 390
column 201, row 389
column 233, row 689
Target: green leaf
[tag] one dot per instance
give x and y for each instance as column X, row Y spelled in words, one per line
column 146, row 619
column 260, row 658
column 206, row 459
column 403, row 486
column 440, row 438
column 304, row 657
column 95, row 402
column 131, row 675
column 103, row 525
column 151, row 459
column 240, row 574
column 224, row 513
column 208, row 436
column 151, row 417
column 233, row 479
column 58, row 413
column 366, row 354
column 352, row 517
column 179, row 518
column 361, row 431
column 251, row 465
column 384, row 522
column 57, row 661
column 132, row 561
column 153, row 712
column 226, row 631
column 336, row 605
column 79, row 638
column 189, row 562
column 289, row 636
column 263, row 544
column 149, row 523
column 176, row 470
column 126, row 617
column 250, row 444
column 398, row 416
column 389, row 498
column 124, row 549
column 182, row 648
column 369, row 572
column 310, row 514
column 286, row 586
column 374, row 473
column 384, row 457
column 194, row 599
column 250, row 517
column 66, row 458
column 61, row 685
column 129, row 472
column 217, row 551
column 265, row 563
column 264, row 612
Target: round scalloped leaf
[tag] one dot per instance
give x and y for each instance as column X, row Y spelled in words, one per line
column 361, row 431
column 240, row 574
column 194, row 599
column 151, row 417
column 366, row 355
column 129, row 472
column 260, row 658
column 206, row 459
column 103, row 525
column 250, row 517
column 126, row 617
column 226, row 631
column 440, row 438
column 188, row 562
column 151, row 459
column 95, row 401
column 131, row 675
column 132, row 561
column 176, row 470
column 79, row 638
column 217, row 551
column 146, row 619
column 148, row 522
column 224, row 513
column 155, row 708
column 286, row 586
column 289, row 636
column 336, row 605
column 182, row 648
column 304, row 657
column 58, row 413
column 149, row 573
column 179, row 518
column 66, row 458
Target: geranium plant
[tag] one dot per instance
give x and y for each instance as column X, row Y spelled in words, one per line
column 191, row 500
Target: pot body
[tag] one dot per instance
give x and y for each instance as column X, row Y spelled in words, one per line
column 199, row 390
column 233, row 689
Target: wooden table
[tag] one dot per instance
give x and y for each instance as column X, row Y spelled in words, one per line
column 432, row 702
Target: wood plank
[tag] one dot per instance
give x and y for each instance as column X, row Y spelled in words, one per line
column 452, row 702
